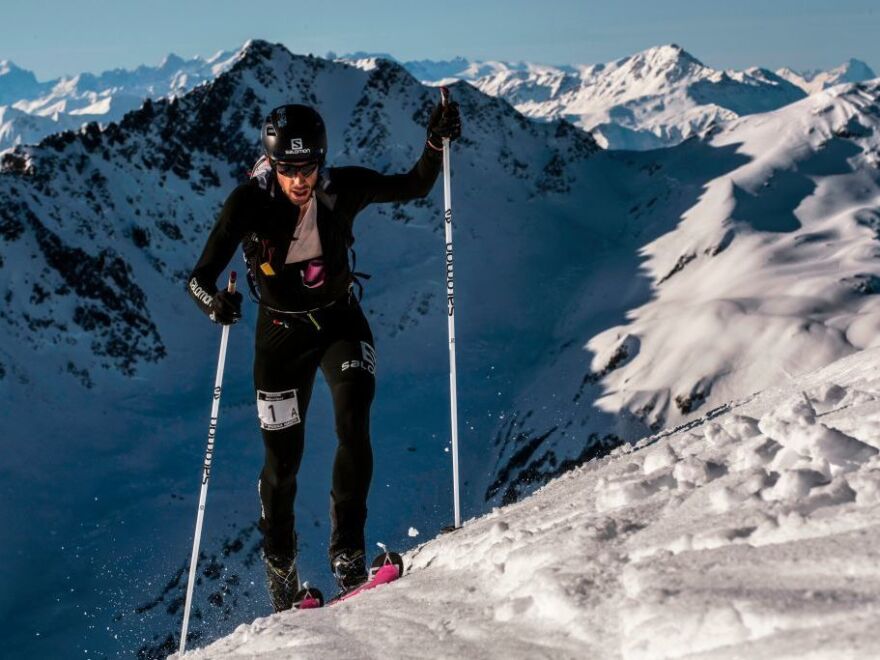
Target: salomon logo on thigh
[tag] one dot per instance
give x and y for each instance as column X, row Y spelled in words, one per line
column 367, row 361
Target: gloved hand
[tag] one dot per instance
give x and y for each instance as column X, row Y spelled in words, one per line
column 445, row 122
column 226, row 307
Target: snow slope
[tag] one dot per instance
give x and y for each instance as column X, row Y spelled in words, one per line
column 767, row 267
column 31, row 110
column 653, row 98
column 750, row 532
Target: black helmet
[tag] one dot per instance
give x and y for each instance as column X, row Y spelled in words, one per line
column 294, row 133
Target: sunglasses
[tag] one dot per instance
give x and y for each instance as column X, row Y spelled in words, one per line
column 290, row 170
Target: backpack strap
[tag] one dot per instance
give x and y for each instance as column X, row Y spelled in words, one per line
column 356, row 276
column 257, row 252
column 251, row 252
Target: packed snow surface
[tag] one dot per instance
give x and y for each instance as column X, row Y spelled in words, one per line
column 752, row 532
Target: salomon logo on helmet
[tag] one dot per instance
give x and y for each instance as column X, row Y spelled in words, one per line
column 294, row 133
column 297, row 148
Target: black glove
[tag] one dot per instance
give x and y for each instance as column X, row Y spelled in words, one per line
column 445, row 122
column 226, row 307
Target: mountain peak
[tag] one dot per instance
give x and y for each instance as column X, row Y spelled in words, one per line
column 8, row 65
column 170, row 61
column 669, row 54
column 259, row 49
column 10, row 69
column 851, row 71
column 15, row 82
column 669, row 63
column 364, row 55
column 854, row 70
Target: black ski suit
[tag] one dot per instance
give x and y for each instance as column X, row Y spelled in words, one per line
column 301, row 328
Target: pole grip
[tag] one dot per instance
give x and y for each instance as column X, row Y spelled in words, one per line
column 233, row 276
column 444, row 95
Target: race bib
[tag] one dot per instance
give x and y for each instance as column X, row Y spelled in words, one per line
column 277, row 410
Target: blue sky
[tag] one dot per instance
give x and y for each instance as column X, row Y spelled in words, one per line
column 54, row 38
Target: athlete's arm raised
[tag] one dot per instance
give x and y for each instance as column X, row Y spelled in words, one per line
column 369, row 186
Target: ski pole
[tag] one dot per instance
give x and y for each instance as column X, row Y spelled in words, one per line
column 450, row 306
column 206, row 473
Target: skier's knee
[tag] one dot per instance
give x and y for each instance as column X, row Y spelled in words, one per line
column 278, row 474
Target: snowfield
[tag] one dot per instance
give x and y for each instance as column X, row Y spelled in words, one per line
column 752, row 532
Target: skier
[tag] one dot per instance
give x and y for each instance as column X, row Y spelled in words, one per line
column 294, row 219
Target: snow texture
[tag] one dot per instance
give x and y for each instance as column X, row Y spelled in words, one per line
column 768, row 268
column 751, row 532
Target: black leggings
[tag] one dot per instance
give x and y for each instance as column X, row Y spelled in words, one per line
column 288, row 354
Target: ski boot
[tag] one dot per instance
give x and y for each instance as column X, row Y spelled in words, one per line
column 282, row 580
column 349, row 568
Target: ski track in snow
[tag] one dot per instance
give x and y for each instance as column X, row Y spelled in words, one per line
column 752, row 533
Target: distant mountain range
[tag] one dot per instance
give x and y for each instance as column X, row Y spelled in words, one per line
column 30, row 110
column 657, row 97
column 817, row 80
column 654, row 98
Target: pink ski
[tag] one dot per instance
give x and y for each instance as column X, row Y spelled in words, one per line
column 387, row 567
column 387, row 573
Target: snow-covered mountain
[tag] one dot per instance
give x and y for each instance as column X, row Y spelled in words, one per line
column 654, row 98
column 750, row 533
column 107, row 366
column 757, row 260
column 815, row 81
column 31, row 110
